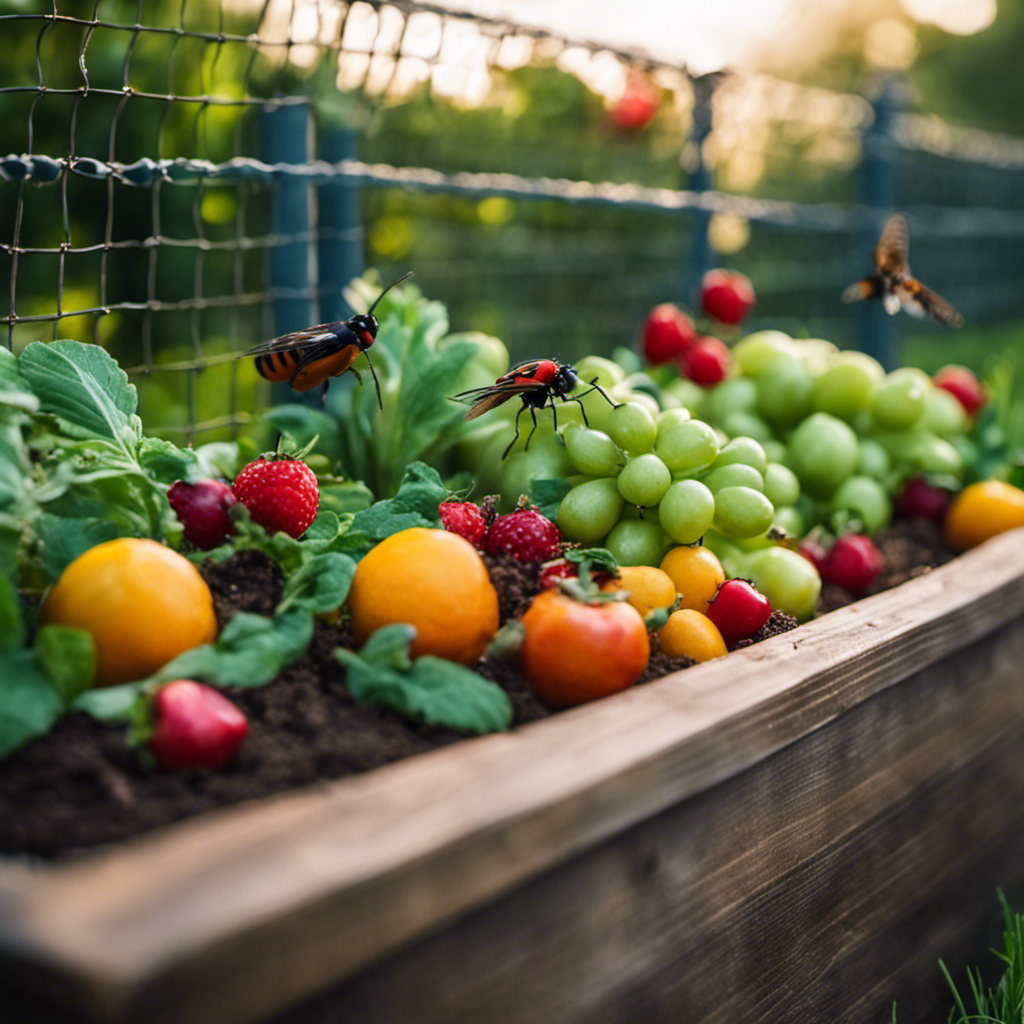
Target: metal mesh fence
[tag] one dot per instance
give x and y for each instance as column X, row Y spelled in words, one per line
column 186, row 180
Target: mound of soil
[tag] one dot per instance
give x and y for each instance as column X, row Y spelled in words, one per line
column 80, row 786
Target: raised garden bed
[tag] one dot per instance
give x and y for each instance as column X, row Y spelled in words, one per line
column 795, row 832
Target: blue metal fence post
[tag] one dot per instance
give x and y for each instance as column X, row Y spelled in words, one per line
column 700, row 180
column 878, row 193
column 285, row 134
column 340, row 246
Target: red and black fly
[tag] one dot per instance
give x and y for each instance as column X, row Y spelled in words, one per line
column 537, row 382
column 893, row 284
column 306, row 359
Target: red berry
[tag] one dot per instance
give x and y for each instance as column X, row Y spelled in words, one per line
column 853, row 563
column 524, row 534
column 707, row 361
column 668, row 333
column 963, row 385
column 280, row 494
column 196, row 726
column 726, row 295
column 637, row 105
column 920, row 499
column 739, row 610
column 554, row 572
column 203, row 508
column 465, row 519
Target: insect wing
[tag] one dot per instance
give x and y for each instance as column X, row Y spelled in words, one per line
column 868, row 288
column 298, row 339
column 931, row 303
column 893, row 245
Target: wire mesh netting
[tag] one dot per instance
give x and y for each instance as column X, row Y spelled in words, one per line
column 186, row 180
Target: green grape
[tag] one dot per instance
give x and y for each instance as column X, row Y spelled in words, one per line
column 865, row 499
column 687, row 511
column 689, row 445
column 872, row 459
column 689, row 395
column 544, row 460
column 781, row 486
column 787, row 579
column 774, row 450
column 589, row 511
column 788, row 518
column 631, row 426
column 735, row 394
column 592, row 451
column 784, row 394
column 846, row 386
column 745, row 450
column 671, row 417
column 636, row 542
column 746, row 424
column 742, row 512
column 822, row 453
column 921, row 451
column 608, row 373
column 644, row 480
column 735, row 474
column 762, row 351
column 943, row 414
column 899, row 401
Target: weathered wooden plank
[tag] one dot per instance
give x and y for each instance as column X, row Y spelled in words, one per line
column 234, row 915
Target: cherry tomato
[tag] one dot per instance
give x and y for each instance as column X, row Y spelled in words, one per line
column 707, row 361
column 852, row 563
column 668, row 333
column 739, row 610
column 574, row 652
column 726, row 295
column 963, row 385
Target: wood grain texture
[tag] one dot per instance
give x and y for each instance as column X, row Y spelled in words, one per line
column 805, row 758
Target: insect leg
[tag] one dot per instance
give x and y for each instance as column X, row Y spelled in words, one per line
column 594, row 386
column 516, row 438
column 323, row 395
column 533, row 416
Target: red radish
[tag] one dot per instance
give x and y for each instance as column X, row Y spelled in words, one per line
column 963, row 385
column 202, row 508
column 739, row 610
column 668, row 333
column 707, row 361
column 726, row 295
column 853, row 563
column 814, row 551
column 195, row 726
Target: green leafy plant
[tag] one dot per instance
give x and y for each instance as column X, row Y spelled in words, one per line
column 426, row 689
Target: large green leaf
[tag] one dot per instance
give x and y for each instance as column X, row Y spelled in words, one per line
column 84, row 388
column 29, row 705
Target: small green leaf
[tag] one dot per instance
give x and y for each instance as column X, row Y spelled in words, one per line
column 62, row 539
column 166, row 463
column 218, row 459
column 110, row 704
column 547, row 495
column 321, row 585
column 67, row 655
column 29, row 705
column 323, row 529
column 427, row 689
column 596, row 559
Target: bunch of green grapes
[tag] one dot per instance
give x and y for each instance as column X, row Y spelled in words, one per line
column 647, row 482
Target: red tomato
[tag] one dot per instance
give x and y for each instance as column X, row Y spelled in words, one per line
column 707, row 361
column 574, row 652
column 739, row 610
column 668, row 333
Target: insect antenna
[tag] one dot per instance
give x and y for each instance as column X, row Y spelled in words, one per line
column 381, row 296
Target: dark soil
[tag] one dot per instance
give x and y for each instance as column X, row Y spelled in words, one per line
column 80, row 786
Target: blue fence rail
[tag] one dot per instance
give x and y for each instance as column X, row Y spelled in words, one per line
column 181, row 219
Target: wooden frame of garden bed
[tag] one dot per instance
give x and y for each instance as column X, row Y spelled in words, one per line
column 796, row 832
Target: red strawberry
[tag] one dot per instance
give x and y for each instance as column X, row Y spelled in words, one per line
column 524, row 534
column 465, row 519
column 203, row 508
column 280, row 494
column 707, row 361
column 195, row 726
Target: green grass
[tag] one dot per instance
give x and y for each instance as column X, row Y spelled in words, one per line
column 1003, row 1004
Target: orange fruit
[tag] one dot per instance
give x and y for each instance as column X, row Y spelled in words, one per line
column 689, row 632
column 648, row 588
column 696, row 573
column 982, row 510
column 434, row 580
column 143, row 603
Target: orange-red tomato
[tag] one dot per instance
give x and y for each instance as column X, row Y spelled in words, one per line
column 574, row 652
